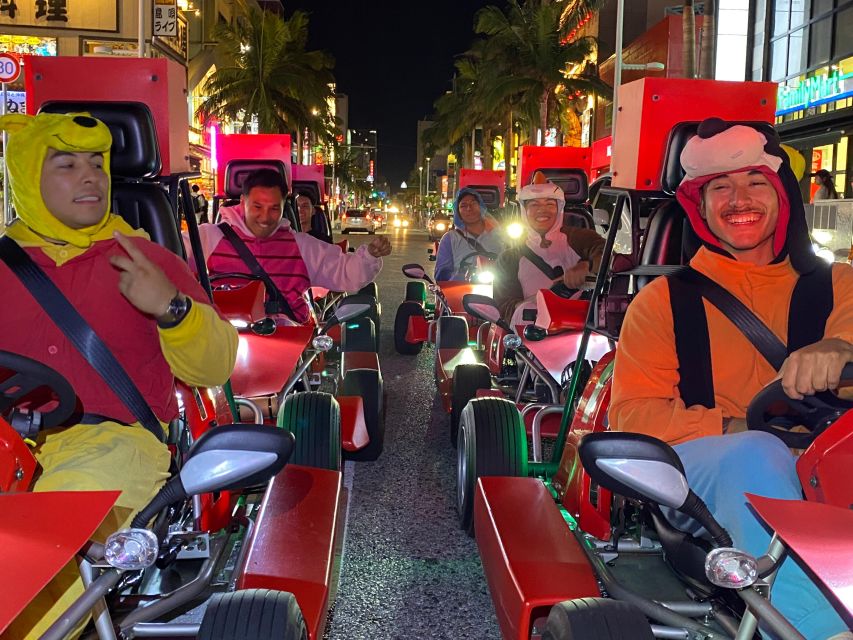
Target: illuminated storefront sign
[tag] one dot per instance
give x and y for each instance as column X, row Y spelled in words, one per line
column 814, row 90
column 89, row 15
column 28, row 45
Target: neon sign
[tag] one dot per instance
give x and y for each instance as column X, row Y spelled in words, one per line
column 813, row 91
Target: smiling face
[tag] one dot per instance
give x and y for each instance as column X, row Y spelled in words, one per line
column 469, row 210
column 742, row 210
column 263, row 210
column 541, row 214
column 74, row 187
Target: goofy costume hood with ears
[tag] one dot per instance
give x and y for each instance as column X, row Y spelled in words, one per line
column 720, row 148
column 30, row 137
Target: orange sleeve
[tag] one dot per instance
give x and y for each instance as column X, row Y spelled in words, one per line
column 840, row 321
column 645, row 397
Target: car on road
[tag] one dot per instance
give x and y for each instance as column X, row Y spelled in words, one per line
column 379, row 218
column 357, row 220
column 438, row 224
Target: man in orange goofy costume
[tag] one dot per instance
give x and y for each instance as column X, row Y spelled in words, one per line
column 140, row 299
column 743, row 202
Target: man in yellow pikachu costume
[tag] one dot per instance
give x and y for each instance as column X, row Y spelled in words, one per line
column 139, row 298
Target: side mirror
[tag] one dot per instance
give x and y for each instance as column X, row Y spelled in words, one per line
column 346, row 311
column 601, row 217
column 636, row 466
column 415, row 271
column 484, row 307
column 235, row 456
column 227, row 457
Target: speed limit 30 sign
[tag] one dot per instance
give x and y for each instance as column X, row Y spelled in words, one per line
column 10, row 67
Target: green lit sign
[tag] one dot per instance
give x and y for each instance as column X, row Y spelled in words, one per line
column 813, row 91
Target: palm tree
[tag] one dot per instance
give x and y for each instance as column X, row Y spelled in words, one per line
column 264, row 71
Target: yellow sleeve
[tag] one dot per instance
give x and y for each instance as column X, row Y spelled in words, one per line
column 202, row 349
column 645, row 396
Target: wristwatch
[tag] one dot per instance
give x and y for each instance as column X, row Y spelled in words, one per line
column 179, row 307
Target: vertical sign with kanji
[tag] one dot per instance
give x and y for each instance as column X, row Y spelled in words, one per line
column 165, row 22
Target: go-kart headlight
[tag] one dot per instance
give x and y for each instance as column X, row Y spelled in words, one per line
column 512, row 341
column 239, row 324
column 515, row 230
column 485, row 277
column 131, row 549
column 440, row 226
column 730, row 568
column 322, row 343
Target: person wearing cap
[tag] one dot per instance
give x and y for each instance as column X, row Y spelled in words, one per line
column 294, row 261
column 138, row 297
column 474, row 231
column 572, row 253
column 743, row 202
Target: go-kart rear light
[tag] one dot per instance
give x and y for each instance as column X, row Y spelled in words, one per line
column 131, row 549
column 730, row 568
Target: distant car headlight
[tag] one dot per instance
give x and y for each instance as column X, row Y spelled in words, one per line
column 485, row 277
column 397, row 222
column 440, row 226
column 405, row 223
column 515, row 230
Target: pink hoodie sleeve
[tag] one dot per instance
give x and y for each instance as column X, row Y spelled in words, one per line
column 210, row 236
column 329, row 267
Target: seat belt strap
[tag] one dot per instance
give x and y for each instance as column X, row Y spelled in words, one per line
column 550, row 272
column 60, row 310
column 692, row 345
column 278, row 302
column 811, row 304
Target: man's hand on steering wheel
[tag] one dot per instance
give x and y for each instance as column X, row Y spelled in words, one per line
column 576, row 276
column 379, row 247
column 815, row 368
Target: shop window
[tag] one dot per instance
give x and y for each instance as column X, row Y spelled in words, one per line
column 797, row 49
column 757, row 62
column 779, row 58
column 843, row 29
column 841, row 155
column 799, row 13
column 781, row 16
column 819, row 43
column 819, row 7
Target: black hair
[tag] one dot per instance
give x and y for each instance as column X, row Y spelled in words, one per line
column 304, row 194
column 266, row 178
column 195, row 187
column 825, row 178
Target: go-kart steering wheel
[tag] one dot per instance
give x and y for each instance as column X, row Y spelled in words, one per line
column 24, row 381
column 236, row 276
column 563, row 291
column 815, row 412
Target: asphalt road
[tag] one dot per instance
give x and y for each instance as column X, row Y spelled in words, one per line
column 408, row 570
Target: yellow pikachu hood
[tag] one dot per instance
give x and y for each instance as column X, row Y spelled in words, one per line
column 29, row 139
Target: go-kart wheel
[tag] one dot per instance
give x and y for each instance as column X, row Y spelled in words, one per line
column 816, row 412
column 253, row 614
column 401, row 326
column 467, row 380
column 596, row 619
column 367, row 383
column 359, row 335
column 451, row 333
column 370, row 289
column 314, row 418
column 416, row 292
column 27, row 382
column 492, row 442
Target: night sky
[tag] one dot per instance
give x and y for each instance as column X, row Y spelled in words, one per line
column 393, row 58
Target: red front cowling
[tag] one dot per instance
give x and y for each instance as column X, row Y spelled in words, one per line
column 17, row 464
column 245, row 303
column 555, row 313
column 418, row 329
column 824, row 468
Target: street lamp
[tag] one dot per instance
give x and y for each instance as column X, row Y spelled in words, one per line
column 421, row 182
column 427, row 182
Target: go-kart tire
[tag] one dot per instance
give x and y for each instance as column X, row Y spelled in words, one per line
column 596, row 619
column 314, row 418
column 401, row 326
column 492, row 442
column 370, row 289
column 467, row 380
column 253, row 614
column 416, row 292
column 358, row 335
column 451, row 333
column 373, row 313
column 368, row 384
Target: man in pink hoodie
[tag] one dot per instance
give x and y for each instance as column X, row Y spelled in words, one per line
column 294, row 261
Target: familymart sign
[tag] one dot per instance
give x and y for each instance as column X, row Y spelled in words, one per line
column 813, row 91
